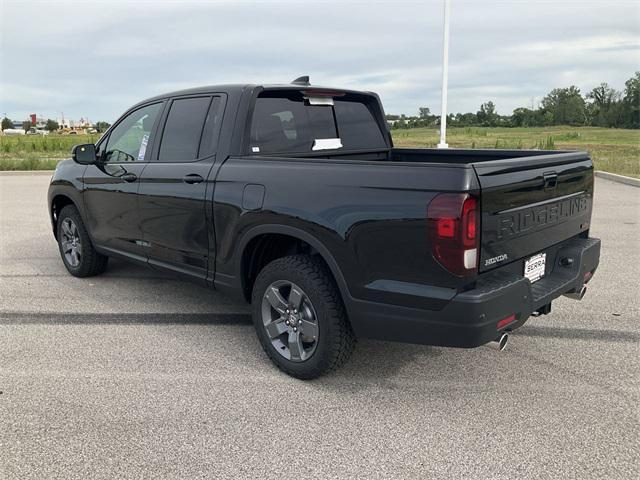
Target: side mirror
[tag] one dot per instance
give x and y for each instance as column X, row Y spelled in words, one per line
column 84, row 154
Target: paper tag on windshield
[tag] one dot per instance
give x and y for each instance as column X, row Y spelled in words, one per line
column 143, row 147
column 255, row 149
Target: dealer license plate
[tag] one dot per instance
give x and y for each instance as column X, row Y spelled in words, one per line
column 534, row 267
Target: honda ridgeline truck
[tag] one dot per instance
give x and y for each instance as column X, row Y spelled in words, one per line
column 294, row 198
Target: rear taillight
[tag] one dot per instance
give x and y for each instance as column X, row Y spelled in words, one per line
column 454, row 230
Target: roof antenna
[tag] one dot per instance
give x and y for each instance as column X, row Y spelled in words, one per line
column 304, row 80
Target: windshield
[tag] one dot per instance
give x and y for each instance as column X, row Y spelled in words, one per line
column 292, row 122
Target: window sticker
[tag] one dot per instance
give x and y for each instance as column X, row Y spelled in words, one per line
column 255, row 149
column 143, row 147
column 326, row 143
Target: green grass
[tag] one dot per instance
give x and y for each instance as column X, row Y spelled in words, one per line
column 34, row 152
column 29, row 162
column 613, row 150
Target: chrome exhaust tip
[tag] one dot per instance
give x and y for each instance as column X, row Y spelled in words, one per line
column 577, row 295
column 500, row 343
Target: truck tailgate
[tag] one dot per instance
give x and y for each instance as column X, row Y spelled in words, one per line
column 531, row 203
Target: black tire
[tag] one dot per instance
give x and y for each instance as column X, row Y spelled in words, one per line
column 335, row 338
column 90, row 262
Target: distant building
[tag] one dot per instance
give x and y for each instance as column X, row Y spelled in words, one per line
column 83, row 125
column 38, row 122
column 13, row 131
column 72, row 124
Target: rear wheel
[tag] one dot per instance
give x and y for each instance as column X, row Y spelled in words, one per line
column 300, row 318
column 76, row 249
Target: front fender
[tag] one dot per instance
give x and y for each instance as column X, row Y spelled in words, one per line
column 67, row 182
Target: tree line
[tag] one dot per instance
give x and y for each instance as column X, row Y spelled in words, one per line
column 603, row 106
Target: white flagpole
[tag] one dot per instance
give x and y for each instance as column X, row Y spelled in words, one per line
column 445, row 76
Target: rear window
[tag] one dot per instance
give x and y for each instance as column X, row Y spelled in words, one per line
column 287, row 122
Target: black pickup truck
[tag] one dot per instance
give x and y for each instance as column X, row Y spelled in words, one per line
column 294, row 198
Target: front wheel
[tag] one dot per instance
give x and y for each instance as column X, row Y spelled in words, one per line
column 76, row 249
column 300, row 318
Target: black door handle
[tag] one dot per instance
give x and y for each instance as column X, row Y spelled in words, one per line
column 129, row 177
column 192, row 178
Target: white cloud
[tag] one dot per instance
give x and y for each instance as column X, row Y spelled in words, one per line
column 96, row 58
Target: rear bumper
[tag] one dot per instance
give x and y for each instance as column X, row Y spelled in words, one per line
column 471, row 318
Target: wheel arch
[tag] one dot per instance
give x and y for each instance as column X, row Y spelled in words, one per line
column 254, row 236
column 58, row 202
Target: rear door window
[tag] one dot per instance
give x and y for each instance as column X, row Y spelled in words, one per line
column 287, row 122
column 183, row 129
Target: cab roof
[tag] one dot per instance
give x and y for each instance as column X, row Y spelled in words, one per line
column 238, row 88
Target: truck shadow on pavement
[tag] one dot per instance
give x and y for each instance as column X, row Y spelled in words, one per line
column 372, row 361
column 28, row 318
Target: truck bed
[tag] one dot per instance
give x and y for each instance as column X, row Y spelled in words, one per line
column 450, row 156
column 530, row 200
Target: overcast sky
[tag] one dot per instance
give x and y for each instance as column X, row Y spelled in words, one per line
column 96, row 58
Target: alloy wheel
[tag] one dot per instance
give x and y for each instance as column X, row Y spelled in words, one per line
column 70, row 242
column 290, row 320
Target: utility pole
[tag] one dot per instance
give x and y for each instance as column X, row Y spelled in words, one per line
column 445, row 77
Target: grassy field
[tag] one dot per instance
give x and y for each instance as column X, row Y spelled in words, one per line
column 613, row 150
column 35, row 152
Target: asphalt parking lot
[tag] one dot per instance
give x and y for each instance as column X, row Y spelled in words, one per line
column 137, row 375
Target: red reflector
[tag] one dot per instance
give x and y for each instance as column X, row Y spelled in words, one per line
column 506, row 321
column 587, row 276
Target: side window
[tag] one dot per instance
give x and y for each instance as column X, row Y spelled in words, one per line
column 183, row 129
column 129, row 139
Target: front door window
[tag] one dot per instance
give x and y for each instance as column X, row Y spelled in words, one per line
column 129, row 139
